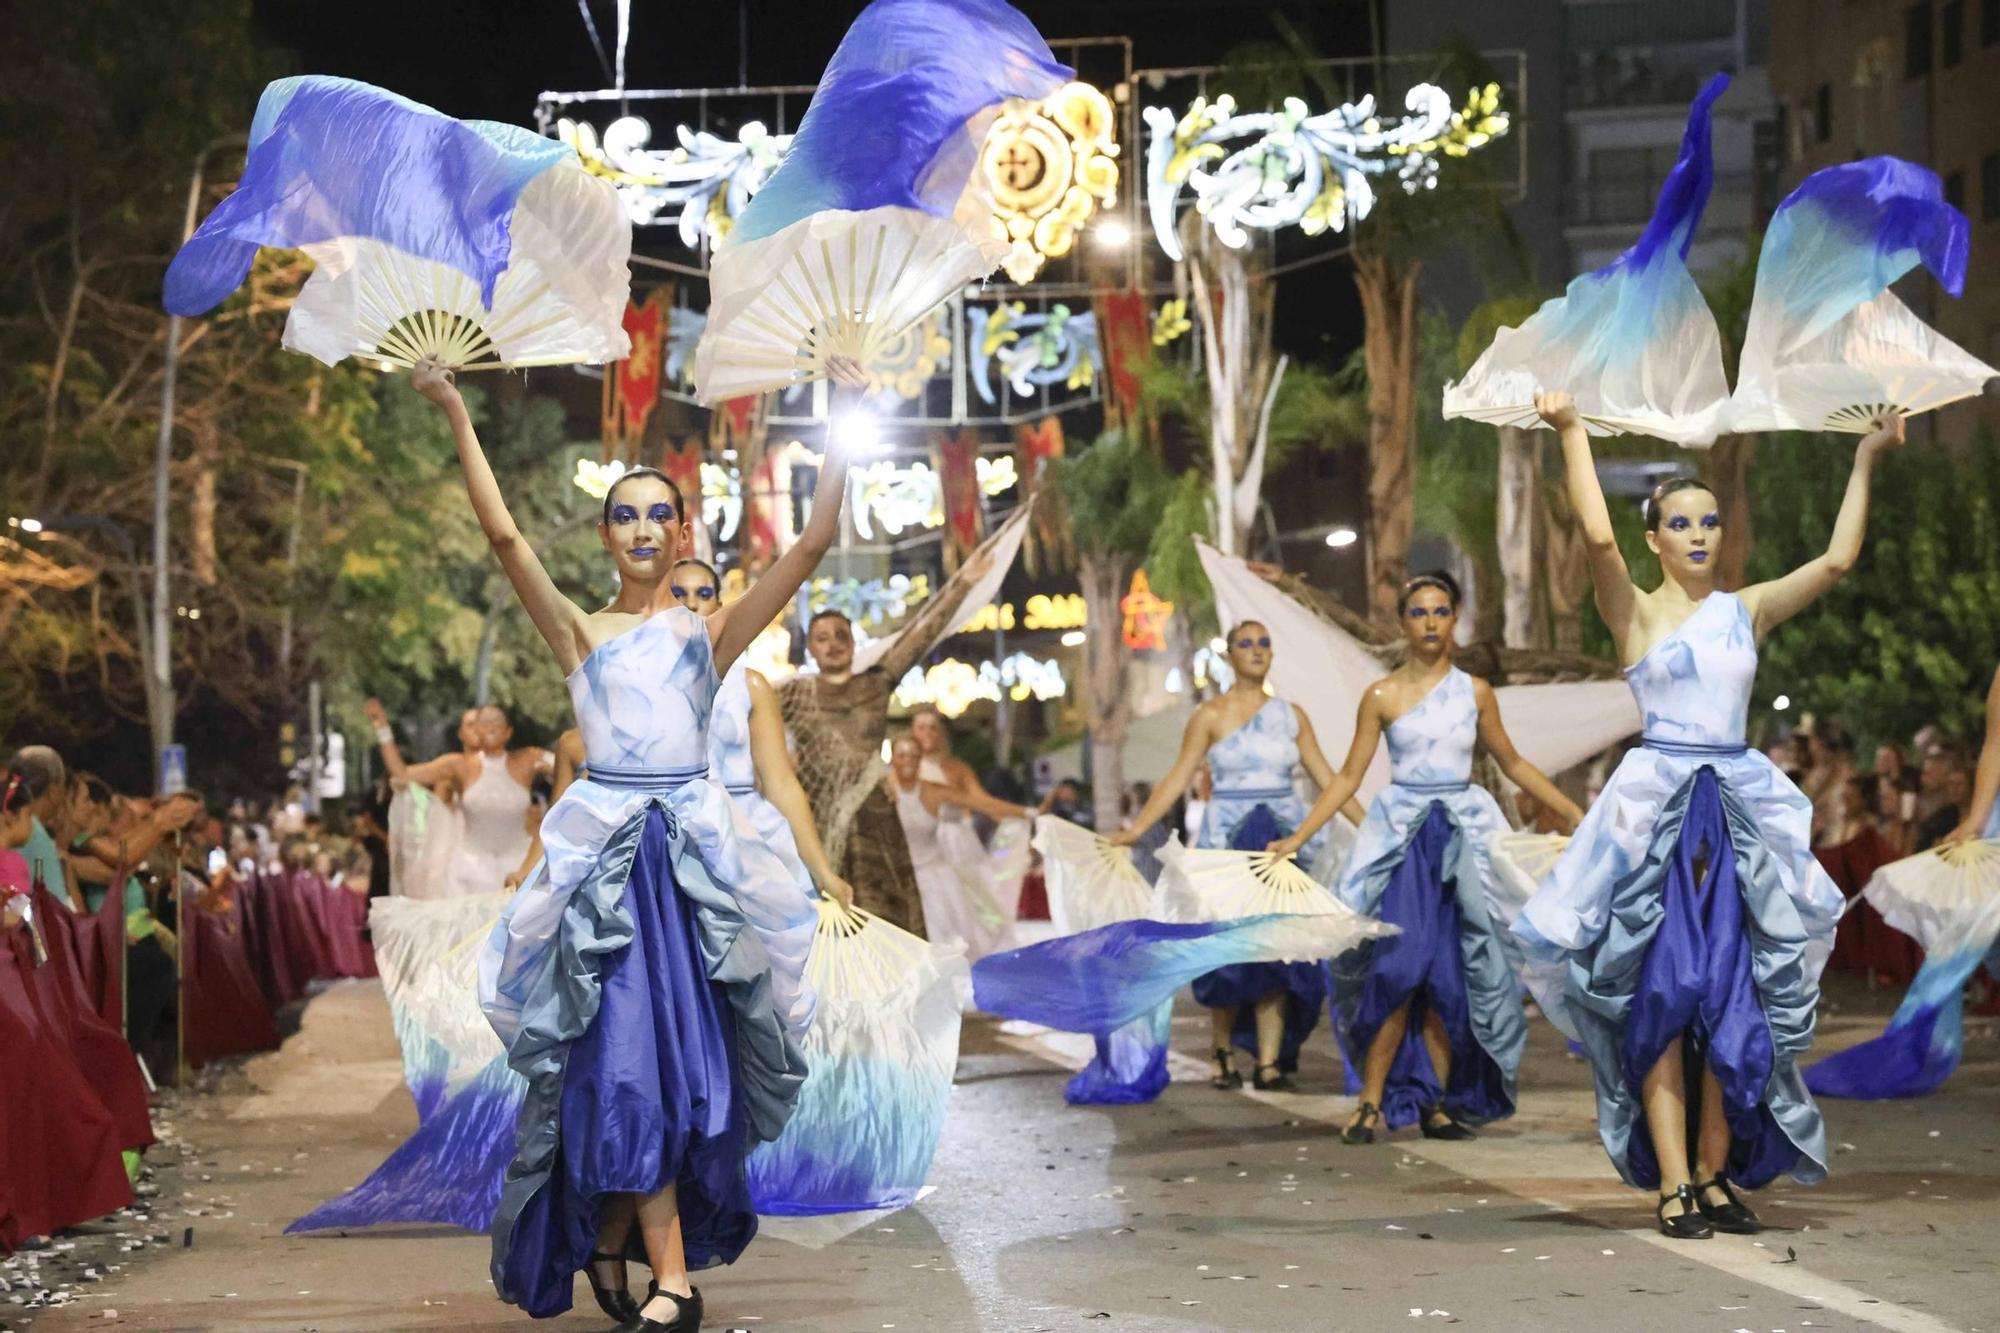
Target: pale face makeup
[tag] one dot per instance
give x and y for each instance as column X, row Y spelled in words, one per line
column 644, row 533
column 1428, row 619
column 1689, row 535
column 1249, row 651
column 691, row 586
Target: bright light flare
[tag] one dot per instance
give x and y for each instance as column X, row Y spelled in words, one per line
column 1340, row 538
column 859, row 433
column 1112, row 233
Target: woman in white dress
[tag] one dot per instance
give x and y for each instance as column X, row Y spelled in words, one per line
column 1001, row 863
column 494, row 794
column 958, row 905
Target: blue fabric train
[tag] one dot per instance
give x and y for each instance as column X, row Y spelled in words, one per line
column 331, row 158
column 1421, row 864
column 1949, row 902
column 1628, row 946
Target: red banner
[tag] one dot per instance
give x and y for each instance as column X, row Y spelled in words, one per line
column 632, row 386
column 1128, row 344
column 958, row 478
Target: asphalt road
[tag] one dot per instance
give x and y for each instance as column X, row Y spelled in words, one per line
column 1205, row 1210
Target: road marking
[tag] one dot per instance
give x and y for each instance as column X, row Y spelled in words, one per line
column 1736, row 1256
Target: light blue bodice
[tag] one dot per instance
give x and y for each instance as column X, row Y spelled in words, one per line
column 1693, row 688
column 1431, row 744
column 729, row 761
column 1256, row 760
column 643, row 699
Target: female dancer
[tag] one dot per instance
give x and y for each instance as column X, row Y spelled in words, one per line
column 1680, row 938
column 494, row 795
column 649, row 985
column 1434, row 1013
column 1982, row 813
column 1251, row 742
column 746, row 747
column 997, row 869
column 958, row 907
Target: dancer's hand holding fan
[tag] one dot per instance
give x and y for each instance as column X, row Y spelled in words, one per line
column 1091, row 880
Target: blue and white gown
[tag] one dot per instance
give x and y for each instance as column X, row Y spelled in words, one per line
column 1421, row 864
column 649, row 985
column 1630, row 947
column 1254, row 803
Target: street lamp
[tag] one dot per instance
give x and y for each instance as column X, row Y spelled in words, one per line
column 159, row 659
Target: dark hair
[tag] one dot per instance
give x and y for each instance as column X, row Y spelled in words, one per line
column 1651, row 509
column 680, row 501
column 1435, row 578
column 934, row 711
column 828, row 613
column 1229, row 639
column 1834, row 736
column 703, row 566
column 40, row 768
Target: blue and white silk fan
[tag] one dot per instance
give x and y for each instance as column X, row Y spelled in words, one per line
column 1948, row 901
column 1090, row 882
column 1829, row 346
column 880, row 1056
column 877, row 214
column 474, row 244
column 1633, row 342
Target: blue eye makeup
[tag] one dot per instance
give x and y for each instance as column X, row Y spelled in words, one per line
column 1712, row 521
column 661, row 513
column 702, row 594
column 624, row 514
column 1264, row 642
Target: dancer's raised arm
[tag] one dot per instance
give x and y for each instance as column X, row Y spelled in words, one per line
column 1986, row 782
column 559, row 620
column 1773, row 603
column 743, row 620
column 1609, row 577
column 779, row 782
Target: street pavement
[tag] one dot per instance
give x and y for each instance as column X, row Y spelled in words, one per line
column 1204, row 1210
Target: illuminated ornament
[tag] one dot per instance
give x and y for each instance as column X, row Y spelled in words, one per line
column 1302, row 170
column 595, row 479
column 894, row 498
column 873, row 603
column 770, row 652
column 1050, row 165
column 707, row 180
column 952, row 686
column 721, row 500
column 1146, row 616
column 473, row 244
column 900, row 372
column 1032, row 350
column 997, row 475
column 1171, row 321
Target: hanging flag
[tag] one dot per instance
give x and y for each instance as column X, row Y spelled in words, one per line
column 632, row 386
column 1128, row 344
column 958, row 476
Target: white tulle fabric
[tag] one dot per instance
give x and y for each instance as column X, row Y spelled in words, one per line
column 956, row 874
column 424, row 836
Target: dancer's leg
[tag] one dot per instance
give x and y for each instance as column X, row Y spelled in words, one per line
column 660, row 1230
column 1270, row 1028
column 1664, row 1094
column 1438, row 1042
column 614, row 1228
column 1221, row 1031
column 1712, row 1142
column 1381, row 1056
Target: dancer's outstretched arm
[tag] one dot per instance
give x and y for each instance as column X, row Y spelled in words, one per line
column 779, row 782
column 560, row 621
column 733, row 627
column 1609, row 578
column 1986, row 784
column 1340, row 791
column 1772, row 604
column 1200, row 734
column 1518, row 770
column 1313, row 760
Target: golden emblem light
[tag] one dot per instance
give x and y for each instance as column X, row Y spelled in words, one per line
column 1050, row 165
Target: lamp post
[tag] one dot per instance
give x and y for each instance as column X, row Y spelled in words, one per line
column 159, row 656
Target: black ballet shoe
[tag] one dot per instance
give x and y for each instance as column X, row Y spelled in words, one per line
column 1450, row 1130
column 1279, row 1081
column 614, row 1301
column 1228, row 1080
column 1367, row 1116
column 1734, row 1216
column 687, row 1315
column 1688, row 1224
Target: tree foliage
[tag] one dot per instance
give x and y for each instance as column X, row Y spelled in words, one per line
column 1910, row 636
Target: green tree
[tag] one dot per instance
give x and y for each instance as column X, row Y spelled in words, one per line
column 1908, row 638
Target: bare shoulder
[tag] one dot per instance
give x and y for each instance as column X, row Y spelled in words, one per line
column 1482, row 689
column 569, row 746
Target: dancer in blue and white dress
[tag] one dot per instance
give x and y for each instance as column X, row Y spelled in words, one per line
column 649, row 983
column 1252, row 743
column 746, row 749
column 1680, row 937
column 1433, row 1013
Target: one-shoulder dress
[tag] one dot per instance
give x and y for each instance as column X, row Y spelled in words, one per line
column 1421, row 864
column 649, row 984
column 1689, row 903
